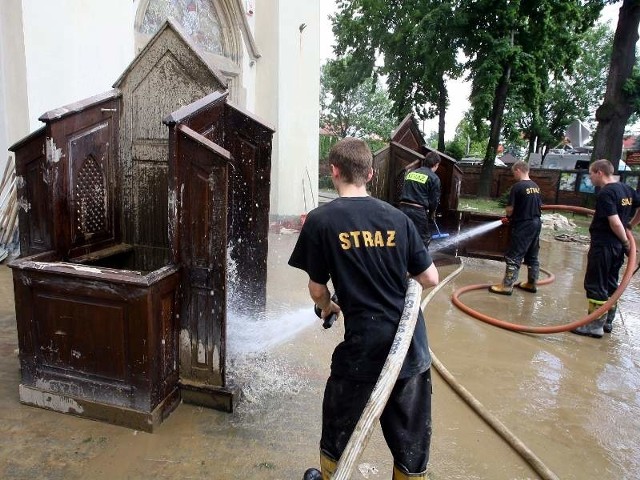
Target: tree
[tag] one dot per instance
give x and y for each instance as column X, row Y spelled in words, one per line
column 622, row 97
column 412, row 43
column 364, row 110
column 516, row 43
column 563, row 98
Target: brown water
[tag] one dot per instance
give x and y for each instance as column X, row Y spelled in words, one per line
column 572, row 400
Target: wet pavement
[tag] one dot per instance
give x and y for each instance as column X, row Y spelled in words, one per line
column 573, row 401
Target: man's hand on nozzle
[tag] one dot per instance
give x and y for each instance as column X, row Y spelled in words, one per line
column 626, row 246
column 505, row 220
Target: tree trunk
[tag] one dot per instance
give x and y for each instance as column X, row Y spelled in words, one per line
column 497, row 111
column 442, row 110
column 613, row 114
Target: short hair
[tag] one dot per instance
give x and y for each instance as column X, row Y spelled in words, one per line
column 431, row 160
column 603, row 165
column 520, row 165
column 353, row 158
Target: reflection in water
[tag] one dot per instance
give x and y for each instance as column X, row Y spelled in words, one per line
column 574, row 400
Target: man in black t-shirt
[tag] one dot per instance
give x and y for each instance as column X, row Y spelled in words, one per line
column 523, row 211
column 366, row 247
column 421, row 195
column 614, row 213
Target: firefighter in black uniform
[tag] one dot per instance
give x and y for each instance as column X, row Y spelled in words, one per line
column 366, row 247
column 421, row 195
column 615, row 205
column 523, row 214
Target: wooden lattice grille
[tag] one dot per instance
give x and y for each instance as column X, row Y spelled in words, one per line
column 90, row 198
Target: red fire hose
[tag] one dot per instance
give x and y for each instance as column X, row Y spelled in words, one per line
column 626, row 278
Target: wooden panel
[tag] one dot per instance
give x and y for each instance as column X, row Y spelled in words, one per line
column 91, row 179
column 79, row 334
column 149, row 206
column 203, row 216
column 97, row 337
column 34, row 196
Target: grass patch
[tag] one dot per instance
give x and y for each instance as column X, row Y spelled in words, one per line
column 480, row 205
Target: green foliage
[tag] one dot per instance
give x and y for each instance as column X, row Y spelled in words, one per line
column 631, row 89
column 473, row 137
column 564, row 97
column 503, row 200
column 361, row 110
column 412, row 43
column 455, row 149
column 514, row 47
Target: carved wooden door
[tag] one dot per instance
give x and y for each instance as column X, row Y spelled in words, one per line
column 201, row 201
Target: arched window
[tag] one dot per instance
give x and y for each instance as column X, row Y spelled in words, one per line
column 212, row 26
column 197, row 17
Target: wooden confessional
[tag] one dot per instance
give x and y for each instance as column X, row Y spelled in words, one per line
column 132, row 203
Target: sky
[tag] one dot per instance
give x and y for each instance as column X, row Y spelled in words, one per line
column 458, row 89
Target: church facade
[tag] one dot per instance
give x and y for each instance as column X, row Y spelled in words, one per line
column 57, row 52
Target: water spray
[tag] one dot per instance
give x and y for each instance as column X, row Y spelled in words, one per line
column 461, row 236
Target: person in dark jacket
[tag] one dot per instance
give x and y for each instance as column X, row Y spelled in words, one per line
column 523, row 214
column 421, row 195
column 368, row 249
column 614, row 213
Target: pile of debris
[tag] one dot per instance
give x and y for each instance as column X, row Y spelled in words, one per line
column 8, row 210
column 565, row 228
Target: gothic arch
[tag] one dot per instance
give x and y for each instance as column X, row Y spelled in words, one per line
column 225, row 48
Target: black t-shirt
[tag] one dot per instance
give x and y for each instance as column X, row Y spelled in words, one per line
column 613, row 199
column 526, row 201
column 366, row 247
column 422, row 186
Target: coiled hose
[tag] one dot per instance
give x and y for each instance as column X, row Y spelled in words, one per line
column 626, row 278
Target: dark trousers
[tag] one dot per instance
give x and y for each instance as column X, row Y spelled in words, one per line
column 405, row 421
column 525, row 243
column 418, row 216
column 603, row 268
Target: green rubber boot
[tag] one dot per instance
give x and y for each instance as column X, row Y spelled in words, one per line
column 611, row 315
column 595, row 328
column 532, row 279
column 510, row 277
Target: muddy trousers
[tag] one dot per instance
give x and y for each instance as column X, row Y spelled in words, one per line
column 405, row 422
column 603, row 268
column 418, row 216
column 525, row 247
column 601, row 281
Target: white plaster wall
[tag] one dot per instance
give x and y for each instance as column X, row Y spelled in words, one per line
column 74, row 49
column 14, row 123
column 287, row 91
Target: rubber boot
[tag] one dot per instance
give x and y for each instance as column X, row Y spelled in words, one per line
column 510, row 277
column 399, row 474
column 532, row 279
column 611, row 314
column 595, row 328
column 328, row 466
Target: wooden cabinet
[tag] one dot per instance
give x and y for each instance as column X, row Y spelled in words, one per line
column 126, row 227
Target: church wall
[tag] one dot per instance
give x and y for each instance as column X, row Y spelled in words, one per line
column 290, row 70
column 14, row 118
column 74, row 49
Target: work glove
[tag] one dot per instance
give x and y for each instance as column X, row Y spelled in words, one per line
column 505, row 220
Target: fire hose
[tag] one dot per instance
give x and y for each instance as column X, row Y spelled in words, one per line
column 626, row 278
column 376, row 403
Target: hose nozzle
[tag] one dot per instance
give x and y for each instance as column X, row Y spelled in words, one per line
column 331, row 318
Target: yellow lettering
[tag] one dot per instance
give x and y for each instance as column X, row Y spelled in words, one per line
column 344, row 240
column 379, row 239
column 626, row 202
column 367, row 238
column 356, row 238
column 391, row 238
